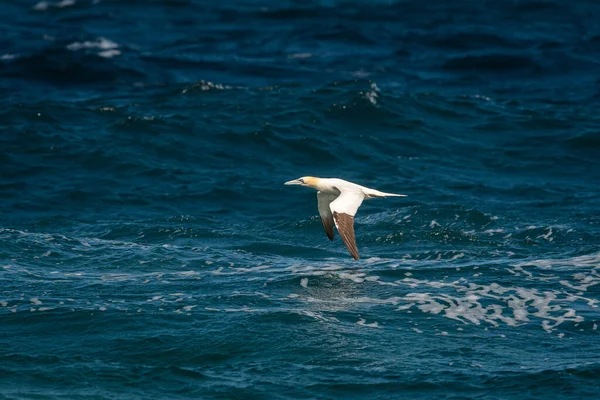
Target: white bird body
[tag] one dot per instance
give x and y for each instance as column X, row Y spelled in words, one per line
column 338, row 201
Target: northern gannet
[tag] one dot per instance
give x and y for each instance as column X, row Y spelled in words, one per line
column 338, row 201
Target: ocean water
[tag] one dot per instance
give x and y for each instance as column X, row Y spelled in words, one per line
column 149, row 249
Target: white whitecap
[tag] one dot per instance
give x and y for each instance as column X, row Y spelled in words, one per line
column 45, row 5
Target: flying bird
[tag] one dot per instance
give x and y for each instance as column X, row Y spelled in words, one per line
column 338, row 201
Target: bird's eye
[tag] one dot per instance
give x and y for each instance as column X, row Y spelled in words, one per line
column 301, row 180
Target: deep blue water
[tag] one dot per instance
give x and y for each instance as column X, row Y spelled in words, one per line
column 149, row 250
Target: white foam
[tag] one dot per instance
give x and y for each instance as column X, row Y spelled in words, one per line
column 316, row 315
column 100, row 43
column 206, row 86
column 372, row 94
column 468, row 308
column 107, row 48
column 480, row 96
column 188, row 273
column 547, row 235
column 457, row 256
column 583, row 282
column 304, row 282
column 252, row 269
column 117, row 277
column 363, row 322
column 357, row 278
column 589, row 275
column 491, row 232
column 109, row 54
column 219, row 271
column 394, row 300
column 511, row 305
column 45, row 5
column 35, row 300
column 243, row 309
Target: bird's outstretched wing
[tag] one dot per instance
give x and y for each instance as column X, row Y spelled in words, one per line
column 325, row 212
column 343, row 209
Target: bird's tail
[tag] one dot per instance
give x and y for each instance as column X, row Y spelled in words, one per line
column 377, row 193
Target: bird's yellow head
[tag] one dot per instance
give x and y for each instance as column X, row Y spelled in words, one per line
column 309, row 181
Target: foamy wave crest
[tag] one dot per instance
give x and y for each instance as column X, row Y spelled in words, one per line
column 494, row 304
column 204, row 86
column 107, row 47
column 45, row 5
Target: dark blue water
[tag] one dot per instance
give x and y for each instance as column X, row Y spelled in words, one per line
column 149, row 250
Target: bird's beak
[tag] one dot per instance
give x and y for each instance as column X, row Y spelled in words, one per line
column 294, row 182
